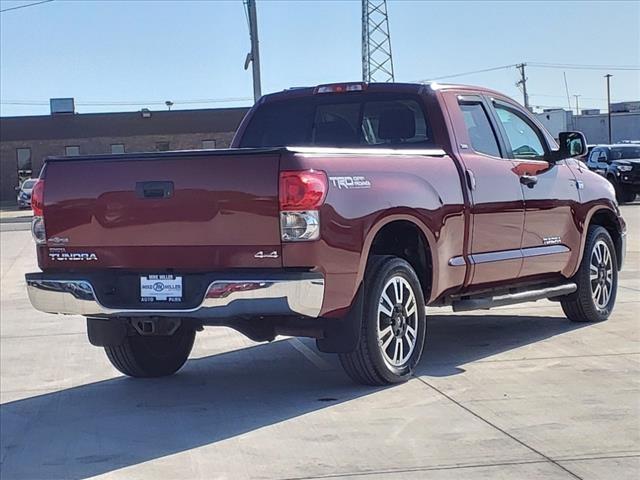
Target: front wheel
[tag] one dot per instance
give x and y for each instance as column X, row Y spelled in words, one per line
column 393, row 325
column 597, row 280
column 152, row 356
column 628, row 196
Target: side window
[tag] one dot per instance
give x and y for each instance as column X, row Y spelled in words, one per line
column 117, row 148
column 524, row 139
column 72, row 150
column 481, row 134
column 593, row 157
column 602, row 157
column 23, row 156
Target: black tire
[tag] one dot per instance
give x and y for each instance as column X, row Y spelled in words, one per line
column 585, row 305
column 367, row 364
column 152, row 356
column 622, row 195
column 627, row 196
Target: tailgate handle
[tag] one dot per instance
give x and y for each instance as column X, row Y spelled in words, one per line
column 154, row 189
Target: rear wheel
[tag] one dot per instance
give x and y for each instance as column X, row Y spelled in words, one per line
column 152, row 356
column 393, row 325
column 597, row 280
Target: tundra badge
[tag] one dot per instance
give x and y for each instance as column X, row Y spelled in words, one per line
column 551, row 240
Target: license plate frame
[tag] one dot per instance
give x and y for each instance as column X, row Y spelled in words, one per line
column 161, row 288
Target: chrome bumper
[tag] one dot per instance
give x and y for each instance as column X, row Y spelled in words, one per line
column 222, row 299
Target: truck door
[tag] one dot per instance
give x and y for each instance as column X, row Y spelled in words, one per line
column 550, row 195
column 497, row 203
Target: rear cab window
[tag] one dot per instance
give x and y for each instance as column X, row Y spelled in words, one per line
column 341, row 120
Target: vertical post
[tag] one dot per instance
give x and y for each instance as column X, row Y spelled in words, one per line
column 523, row 82
column 608, row 77
column 377, row 61
column 577, row 105
column 255, row 49
column 365, row 41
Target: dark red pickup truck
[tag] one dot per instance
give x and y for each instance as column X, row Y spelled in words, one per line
column 339, row 213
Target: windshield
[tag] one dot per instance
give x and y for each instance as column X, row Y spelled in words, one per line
column 342, row 120
column 622, row 153
column 29, row 184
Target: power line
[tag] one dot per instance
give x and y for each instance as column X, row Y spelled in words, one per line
column 503, row 67
column 25, row 6
column 540, row 65
column 583, row 67
column 602, row 99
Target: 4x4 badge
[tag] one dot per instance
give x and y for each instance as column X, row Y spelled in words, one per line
column 261, row 254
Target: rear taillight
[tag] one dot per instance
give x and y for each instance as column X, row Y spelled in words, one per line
column 37, row 198
column 301, row 194
column 37, row 204
column 302, row 190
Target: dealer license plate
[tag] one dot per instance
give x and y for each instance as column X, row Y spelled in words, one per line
column 160, row 288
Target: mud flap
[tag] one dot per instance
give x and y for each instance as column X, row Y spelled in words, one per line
column 106, row 333
column 342, row 335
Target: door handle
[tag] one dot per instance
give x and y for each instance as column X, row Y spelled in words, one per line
column 154, row 189
column 529, row 180
column 471, row 179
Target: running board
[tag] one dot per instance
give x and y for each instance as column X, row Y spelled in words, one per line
column 485, row 303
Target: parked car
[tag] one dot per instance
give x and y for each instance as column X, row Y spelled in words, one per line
column 339, row 213
column 24, row 193
column 620, row 164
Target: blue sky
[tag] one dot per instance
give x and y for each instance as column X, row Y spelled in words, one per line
column 148, row 51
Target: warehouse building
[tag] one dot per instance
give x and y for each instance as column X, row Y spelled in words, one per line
column 625, row 122
column 26, row 141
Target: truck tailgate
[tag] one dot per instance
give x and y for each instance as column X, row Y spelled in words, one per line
column 163, row 211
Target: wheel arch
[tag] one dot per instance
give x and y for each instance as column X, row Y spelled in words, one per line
column 611, row 221
column 418, row 248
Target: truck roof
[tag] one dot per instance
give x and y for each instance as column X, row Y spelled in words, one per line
column 417, row 88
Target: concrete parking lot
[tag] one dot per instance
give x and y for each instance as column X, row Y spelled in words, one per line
column 516, row 393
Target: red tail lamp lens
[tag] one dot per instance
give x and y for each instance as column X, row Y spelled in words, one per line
column 302, row 190
column 37, row 199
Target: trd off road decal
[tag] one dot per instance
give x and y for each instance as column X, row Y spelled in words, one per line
column 350, row 182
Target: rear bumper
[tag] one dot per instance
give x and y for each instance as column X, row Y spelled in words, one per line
column 275, row 294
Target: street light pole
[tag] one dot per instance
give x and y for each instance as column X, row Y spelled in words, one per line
column 254, row 55
column 608, row 77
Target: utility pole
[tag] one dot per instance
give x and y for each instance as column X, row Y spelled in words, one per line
column 254, row 54
column 523, row 82
column 577, row 105
column 608, row 77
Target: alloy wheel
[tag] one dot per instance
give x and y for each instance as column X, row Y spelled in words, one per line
column 601, row 274
column 397, row 322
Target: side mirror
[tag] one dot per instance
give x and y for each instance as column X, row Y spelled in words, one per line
column 572, row 144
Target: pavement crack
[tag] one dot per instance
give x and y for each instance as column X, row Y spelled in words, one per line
column 501, row 430
column 36, row 335
column 414, row 469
